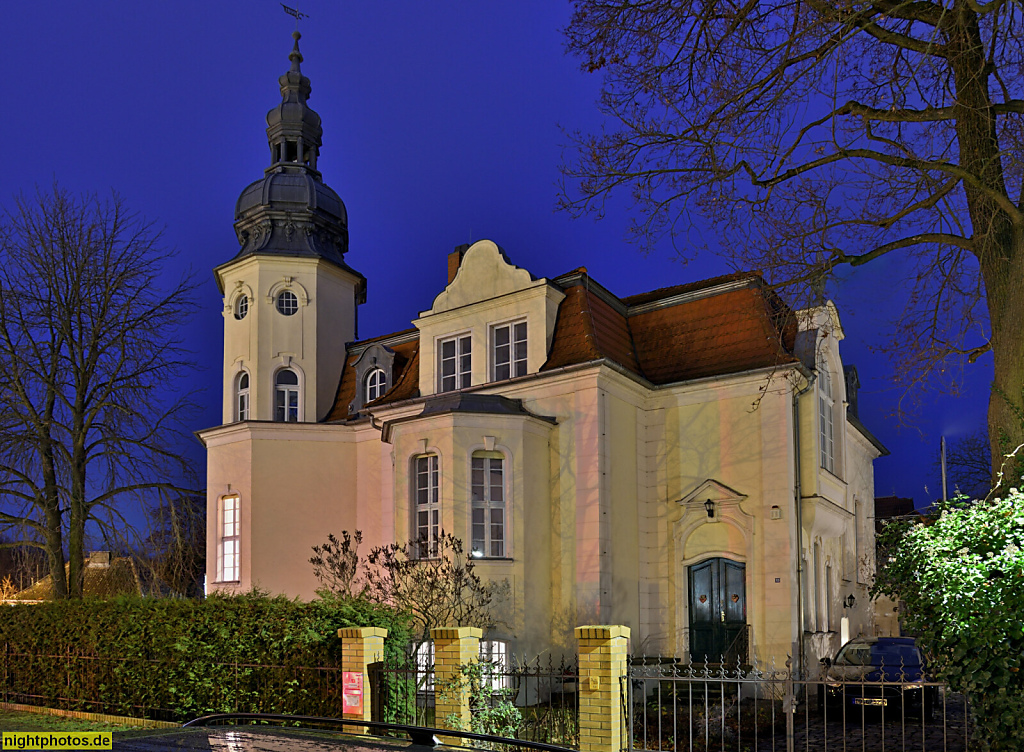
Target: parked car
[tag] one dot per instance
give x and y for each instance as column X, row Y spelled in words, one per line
column 888, row 673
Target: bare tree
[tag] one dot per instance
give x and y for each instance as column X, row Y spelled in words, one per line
column 440, row 589
column 91, row 389
column 174, row 551
column 969, row 465
column 817, row 136
column 336, row 564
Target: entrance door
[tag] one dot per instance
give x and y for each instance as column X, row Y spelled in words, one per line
column 718, row 611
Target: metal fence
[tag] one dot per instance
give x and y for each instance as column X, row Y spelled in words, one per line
column 167, row 690
column 545, row 695
column 758, row 708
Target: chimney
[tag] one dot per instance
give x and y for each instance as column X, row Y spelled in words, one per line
column 455, row 260
column 99, row 560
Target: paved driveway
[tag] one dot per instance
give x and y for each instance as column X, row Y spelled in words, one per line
column 242, row 739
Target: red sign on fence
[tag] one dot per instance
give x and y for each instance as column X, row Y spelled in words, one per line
column 352, row 692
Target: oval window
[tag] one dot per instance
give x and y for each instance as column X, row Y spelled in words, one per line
column 287, row 303
column 241, row 307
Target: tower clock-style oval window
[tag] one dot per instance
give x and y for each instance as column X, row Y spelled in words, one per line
column 241, row 307
column 287, row 303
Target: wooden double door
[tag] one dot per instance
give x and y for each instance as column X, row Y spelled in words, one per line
column 718, row 610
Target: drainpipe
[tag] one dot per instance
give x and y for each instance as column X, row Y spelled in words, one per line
column 798, row 493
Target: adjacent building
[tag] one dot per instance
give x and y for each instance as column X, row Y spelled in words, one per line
column 687, row 461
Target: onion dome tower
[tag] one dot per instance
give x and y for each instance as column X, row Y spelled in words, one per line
column 289, row 297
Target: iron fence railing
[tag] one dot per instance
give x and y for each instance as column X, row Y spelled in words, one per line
column 762, row 708
column 545, row 696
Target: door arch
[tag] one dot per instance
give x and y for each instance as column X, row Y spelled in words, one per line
column 718, row 610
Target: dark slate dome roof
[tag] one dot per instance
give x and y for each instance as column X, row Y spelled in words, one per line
column 291, row 192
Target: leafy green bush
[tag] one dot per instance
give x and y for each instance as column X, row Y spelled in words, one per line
column 959, row 578
column 181, row 658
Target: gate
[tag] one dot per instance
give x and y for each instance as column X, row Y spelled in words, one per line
column 699, row 708
column 545, row 697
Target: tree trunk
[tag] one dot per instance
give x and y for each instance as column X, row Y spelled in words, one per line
column 1006, row 401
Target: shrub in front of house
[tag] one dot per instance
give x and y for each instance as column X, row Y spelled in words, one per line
column 177, row 659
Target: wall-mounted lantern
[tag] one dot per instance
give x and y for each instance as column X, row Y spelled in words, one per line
column 849, row 601
column 709, row 505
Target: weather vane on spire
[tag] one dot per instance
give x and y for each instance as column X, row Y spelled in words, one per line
column 295, row 12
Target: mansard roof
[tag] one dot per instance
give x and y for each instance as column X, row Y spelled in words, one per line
column 713, row 327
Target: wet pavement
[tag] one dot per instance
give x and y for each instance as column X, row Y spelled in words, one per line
column 249, row 739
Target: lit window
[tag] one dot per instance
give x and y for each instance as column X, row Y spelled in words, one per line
column 825, row 406
column 241, row 307
column 376, row 383
column 424, row 654
column 427, row 505
column 509, row 350
column 286, row 396
column 242, row 397
column 488, row 504
column 287, row 303
column 495, row 667
column 229, row 539
column 455, row 363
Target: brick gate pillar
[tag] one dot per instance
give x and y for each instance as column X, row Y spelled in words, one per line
column 360, row 646
column 454, row 647
column 602, row 666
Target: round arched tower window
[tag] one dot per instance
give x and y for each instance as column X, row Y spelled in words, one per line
column 287, row 303
column 241, row 307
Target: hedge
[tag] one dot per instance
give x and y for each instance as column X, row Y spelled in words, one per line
column 175, row 659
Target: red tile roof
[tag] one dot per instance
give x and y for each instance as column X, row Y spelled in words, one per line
column 738, row 328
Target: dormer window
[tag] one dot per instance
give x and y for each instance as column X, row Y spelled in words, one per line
column 376, row 384
column 509, row 350
column 455, row 363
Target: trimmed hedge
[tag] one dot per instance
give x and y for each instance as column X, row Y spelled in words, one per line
column 176, row 659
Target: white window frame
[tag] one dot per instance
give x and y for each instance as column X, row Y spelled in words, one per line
column 826, row 410
column 495, row 664
column 374, row 385
column 462, row 375
column 243, row 403
column 423, row 655
column 241, row 307
column 287, row 306
column 505, row 356
column 426, row 485
column 287, row 391
column 229, row 528
column 482, row 501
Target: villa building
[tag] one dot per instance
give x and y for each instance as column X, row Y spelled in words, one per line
column 687, row 462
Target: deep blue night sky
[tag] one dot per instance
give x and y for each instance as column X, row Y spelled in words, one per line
column 442, row 125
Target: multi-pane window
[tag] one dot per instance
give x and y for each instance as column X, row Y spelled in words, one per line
column 229, row 539
column 509, row 354
column 241, row 307
column 488, row 504
column 287, row 303
column 825, row 406
column 376, row 382
column 427, row 511
column 455, row 362
column 494, row 664
column 286, row 396
column 242, row 397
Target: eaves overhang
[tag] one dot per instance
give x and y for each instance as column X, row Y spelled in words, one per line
column 466, row 402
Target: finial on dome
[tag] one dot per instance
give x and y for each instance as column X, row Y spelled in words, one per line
column 295, row 56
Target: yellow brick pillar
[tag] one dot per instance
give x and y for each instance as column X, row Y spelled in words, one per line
column 360, row 647
column 602, row 666
column 454, row 647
